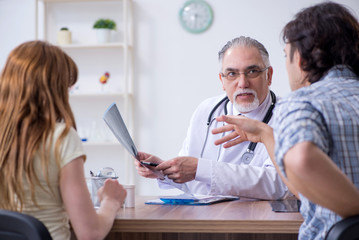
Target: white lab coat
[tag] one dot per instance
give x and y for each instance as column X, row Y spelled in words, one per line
column 220, row 171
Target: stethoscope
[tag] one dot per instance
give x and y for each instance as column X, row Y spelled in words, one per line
column 247, row 157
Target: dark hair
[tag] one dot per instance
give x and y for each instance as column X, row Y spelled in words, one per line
column 325, row 35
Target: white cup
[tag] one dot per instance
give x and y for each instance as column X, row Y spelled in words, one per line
column 130, row 197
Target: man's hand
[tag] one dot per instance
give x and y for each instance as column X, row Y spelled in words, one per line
column 243, row 129
column 148, row 171
column 179, row 169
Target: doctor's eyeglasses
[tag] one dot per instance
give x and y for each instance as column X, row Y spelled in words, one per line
column 251, row 73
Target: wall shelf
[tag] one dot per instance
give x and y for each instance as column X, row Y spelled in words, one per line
column 105, row 45
column 101, row 144
column 64, row 1
column 98, row 95
column 94, row 59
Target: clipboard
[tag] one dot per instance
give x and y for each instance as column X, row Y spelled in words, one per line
column 194, row 200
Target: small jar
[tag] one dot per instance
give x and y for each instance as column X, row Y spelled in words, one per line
column 64, row 36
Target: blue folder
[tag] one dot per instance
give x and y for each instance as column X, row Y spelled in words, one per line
column 186, row 199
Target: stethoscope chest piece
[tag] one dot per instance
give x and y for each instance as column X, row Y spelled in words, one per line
column 247, row 157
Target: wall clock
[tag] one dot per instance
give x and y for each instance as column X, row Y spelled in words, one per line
column 196, row 16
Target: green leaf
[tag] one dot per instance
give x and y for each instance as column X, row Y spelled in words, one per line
column 105, row 23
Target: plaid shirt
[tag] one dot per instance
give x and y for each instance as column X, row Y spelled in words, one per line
column 325, row 113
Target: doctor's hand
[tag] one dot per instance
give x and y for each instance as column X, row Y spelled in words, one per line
column 148, row 171
column 179, row 169
column 243, row 129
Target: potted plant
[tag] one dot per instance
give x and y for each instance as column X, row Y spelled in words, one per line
column 64, row 36
column 103, row 29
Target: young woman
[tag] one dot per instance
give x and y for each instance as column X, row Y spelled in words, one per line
column 41, row 155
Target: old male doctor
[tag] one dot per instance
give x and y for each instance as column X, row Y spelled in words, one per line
column 245, row 170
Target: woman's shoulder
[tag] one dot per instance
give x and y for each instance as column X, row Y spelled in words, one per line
column 60, row 127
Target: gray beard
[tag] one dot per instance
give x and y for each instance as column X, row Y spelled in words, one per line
column 246, row 107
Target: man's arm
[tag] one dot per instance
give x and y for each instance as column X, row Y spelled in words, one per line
column 179, row 169
column 260, row 182
column 310, row 171
column 316, row 176
column 255, row 182
column 246, row 129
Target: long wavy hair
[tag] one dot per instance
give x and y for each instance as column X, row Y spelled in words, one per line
column 34, row 87
column 325, row 35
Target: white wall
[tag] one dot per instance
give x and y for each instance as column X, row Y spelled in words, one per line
column 176, row 70
column 17, row 24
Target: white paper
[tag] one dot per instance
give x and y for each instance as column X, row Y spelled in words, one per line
column 115, row 122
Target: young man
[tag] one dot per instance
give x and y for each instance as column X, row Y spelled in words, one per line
column 316, row 130
column 204, row 168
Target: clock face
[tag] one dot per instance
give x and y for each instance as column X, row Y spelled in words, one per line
column 196, row 16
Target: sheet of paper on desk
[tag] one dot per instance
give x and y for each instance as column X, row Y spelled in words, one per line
column 186, row 199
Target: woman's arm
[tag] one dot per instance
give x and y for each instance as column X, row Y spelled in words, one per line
column 86, row 222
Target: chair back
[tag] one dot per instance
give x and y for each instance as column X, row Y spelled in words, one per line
column 19, row 226
column 346, row 229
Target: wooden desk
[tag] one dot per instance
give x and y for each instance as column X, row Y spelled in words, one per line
column 242, row 219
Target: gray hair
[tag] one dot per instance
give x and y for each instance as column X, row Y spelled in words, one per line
column 245, row 42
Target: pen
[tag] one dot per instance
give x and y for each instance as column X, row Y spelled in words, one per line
column 149, row 164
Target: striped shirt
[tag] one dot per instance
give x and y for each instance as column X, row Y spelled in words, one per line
column 325, row 113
